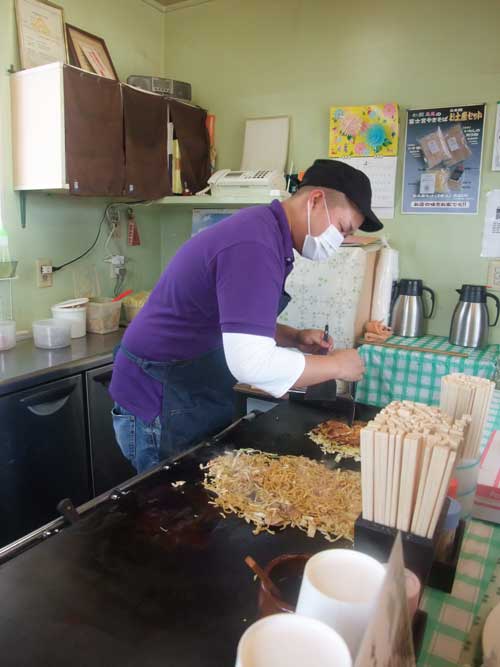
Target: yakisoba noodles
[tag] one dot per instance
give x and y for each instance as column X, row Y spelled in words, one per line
column 273, row 491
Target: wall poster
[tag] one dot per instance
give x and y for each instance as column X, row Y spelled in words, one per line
column 364, row 131
column 443, row 154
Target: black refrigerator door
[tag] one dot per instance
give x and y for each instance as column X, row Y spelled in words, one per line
column 43, row 455
column 109, row 466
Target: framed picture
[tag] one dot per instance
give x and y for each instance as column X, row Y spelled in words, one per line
column 89, row 52
column 40, row 30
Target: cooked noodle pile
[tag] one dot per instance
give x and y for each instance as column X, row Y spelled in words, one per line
column 273, row 491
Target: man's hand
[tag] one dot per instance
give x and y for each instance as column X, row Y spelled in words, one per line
column 311, row 341
column 349, row 365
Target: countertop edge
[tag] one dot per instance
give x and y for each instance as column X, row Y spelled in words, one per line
column 34, row 376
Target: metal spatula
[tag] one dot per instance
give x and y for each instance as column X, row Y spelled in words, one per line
column 324, row 392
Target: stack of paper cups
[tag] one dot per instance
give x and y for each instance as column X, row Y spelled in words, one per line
column 386, row 273
column 288, row 640
column 340, row 588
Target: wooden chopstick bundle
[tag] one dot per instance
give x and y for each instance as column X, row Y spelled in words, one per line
column 467, row 394
column 408, row 454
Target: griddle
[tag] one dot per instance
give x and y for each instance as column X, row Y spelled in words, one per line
column 154, row 576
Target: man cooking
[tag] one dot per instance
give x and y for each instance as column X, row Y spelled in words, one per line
column 211, row 319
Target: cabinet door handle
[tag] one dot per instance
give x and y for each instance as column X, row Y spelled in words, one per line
column 46, row 409
column 48, row 402
column 103, row 378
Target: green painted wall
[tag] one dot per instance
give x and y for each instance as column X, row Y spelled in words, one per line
column 61, row 227
column 299, row 57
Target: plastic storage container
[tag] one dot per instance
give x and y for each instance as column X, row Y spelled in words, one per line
column 75, row 312
column 52, row 334
column 134, row 303
column 103, row 315
column 7, row 334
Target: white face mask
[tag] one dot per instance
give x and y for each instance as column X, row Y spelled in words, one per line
column 321, row 248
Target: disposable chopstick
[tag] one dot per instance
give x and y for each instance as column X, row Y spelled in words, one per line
column 411, row 449
column 396, row 476
column 424, row 469
column 367, row 444
column 391, row 446
column 437, row 467
column 442, row 493
column 381, row 445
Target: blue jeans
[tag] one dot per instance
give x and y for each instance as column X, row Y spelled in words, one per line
column 138, row 440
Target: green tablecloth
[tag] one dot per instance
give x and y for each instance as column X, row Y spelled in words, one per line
column 395, row 375
column 453, row 634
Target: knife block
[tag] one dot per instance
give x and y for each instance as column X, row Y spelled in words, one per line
column 376, row 540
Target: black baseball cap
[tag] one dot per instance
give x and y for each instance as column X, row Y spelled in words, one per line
column 352, row 182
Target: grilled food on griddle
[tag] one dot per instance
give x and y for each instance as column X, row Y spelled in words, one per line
column 273, row 491
column 336, row 437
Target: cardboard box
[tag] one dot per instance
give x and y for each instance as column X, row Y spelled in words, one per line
column 487, row 500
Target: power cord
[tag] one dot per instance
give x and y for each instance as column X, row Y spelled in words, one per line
column 104, row 216
column 72, row 261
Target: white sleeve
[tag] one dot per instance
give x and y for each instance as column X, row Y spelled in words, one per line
column 258, row 361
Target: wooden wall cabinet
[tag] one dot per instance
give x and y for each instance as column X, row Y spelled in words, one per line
column 78, row 132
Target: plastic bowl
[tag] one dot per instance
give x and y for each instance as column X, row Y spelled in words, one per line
column 7, row 334
column 52, row 334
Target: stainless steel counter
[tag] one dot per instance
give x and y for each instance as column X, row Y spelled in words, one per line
column 26, row 365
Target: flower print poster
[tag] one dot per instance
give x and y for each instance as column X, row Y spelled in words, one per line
column 443, row 155
column 364, row 131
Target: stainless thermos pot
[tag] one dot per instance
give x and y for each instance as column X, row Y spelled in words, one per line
column 471, row 319
column 408, row 309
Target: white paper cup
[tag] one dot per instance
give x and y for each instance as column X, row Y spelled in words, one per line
column 340, row 588
column 288, row 640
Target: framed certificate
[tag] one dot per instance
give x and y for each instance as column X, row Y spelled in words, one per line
column 40, row 29
column 89, row 52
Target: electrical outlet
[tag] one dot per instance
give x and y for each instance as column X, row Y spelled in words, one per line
column 114, row 219
column 114, row 215
column 494, row 275
column 44, row 273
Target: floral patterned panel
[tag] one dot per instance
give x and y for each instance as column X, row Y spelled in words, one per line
column 327, row 293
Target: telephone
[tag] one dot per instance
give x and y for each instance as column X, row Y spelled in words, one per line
column 227, row 183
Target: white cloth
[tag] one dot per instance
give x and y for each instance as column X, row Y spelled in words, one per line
column 258, row 361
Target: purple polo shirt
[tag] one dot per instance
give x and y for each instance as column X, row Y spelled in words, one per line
column 228, row 278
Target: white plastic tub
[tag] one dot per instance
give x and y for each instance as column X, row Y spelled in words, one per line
column 103, row 315
column 75, row 312
column 52, row 334
column 7, row 334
